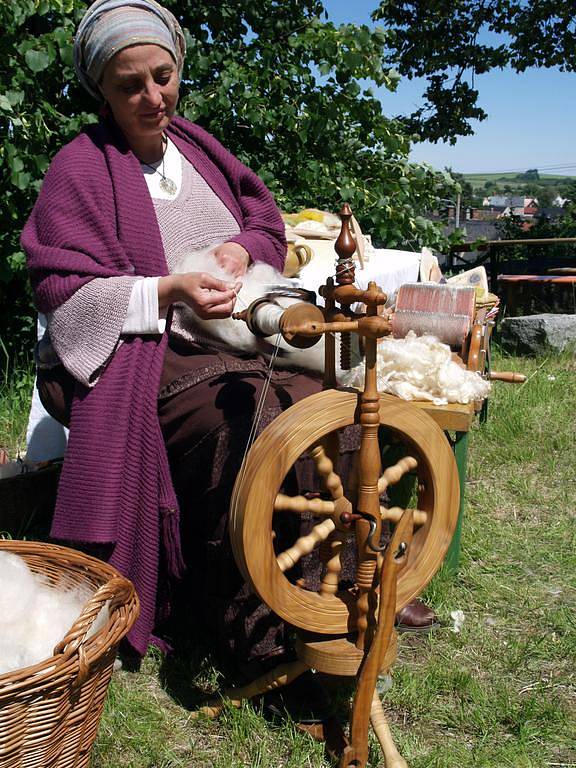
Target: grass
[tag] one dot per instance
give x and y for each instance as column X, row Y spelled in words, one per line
column 501, row 693
column 16, row 385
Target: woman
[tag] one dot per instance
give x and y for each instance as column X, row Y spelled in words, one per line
column 159, row 418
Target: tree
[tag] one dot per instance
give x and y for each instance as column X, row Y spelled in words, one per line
column 544, row 195
column 451, row 42
column 530, row 175
column 464, row 187
column 285, row 90
column 513, row 228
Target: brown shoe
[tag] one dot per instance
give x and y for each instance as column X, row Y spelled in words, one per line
column 416, row 617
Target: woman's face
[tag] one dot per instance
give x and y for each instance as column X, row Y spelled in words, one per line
column 140, row 84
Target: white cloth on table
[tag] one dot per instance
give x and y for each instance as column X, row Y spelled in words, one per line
column 387, row 267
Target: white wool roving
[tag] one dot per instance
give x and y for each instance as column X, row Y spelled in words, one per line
column 421, row 368
column 34, row 614
column 258, row 280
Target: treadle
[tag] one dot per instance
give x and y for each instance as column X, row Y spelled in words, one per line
column 337, row 655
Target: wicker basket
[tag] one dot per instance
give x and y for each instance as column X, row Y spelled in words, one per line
column 50, row 712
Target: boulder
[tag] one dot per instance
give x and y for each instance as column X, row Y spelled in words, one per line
column 538, row 334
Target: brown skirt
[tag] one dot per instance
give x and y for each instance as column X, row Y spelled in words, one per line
column 206, row 406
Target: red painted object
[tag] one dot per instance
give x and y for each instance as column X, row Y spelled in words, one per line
column 521, row 279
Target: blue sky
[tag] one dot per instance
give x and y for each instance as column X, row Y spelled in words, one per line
column 531, row 116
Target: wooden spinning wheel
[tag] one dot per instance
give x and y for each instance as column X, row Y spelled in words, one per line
column 342, row 629
column 310, row 427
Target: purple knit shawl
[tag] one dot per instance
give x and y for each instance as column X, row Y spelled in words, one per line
column 95, row 218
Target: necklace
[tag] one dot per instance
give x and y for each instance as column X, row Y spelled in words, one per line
column 166, row 184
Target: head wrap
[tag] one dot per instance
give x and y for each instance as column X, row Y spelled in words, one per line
column 109, row 26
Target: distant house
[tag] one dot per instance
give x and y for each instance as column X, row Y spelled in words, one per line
column 474, row 228
column 483, row 214
column 505, row 205
column 559, row 201
column 511, row 205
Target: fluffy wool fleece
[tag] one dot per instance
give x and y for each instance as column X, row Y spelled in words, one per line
column 235, row 334
column 421, row 368
column 34, row 615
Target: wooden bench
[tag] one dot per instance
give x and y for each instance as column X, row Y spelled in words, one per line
column 517, row 287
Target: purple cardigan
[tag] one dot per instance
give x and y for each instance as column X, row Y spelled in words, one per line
column 94, row 217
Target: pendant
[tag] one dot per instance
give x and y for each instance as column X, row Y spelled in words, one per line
column 168, row 186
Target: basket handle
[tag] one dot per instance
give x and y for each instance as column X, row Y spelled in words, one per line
column 119, row 591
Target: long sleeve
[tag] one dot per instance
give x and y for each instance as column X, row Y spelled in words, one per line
column 86, row 328
column 260, row 235
column 143, row 314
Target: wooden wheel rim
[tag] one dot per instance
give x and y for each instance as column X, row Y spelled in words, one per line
column 266, row 466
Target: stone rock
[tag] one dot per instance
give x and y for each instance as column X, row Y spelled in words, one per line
column 538, row 334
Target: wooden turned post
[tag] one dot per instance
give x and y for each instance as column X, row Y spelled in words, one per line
column 393, row 759
column 329, row 339
column 330, row 551
column 345, row 246
column 369, row 473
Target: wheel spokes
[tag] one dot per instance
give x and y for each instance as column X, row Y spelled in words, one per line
column 325, row 468
column 300, row 505
column 393, row 514
column 396, row 472
column 304, row 545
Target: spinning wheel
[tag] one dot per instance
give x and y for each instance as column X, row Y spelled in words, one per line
column 348, row 630
column 310, row 427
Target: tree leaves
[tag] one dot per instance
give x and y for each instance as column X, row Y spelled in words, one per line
column 285, row 90
column 37, row 60
column 444, row 42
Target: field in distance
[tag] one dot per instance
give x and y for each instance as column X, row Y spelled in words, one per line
column 478, row 180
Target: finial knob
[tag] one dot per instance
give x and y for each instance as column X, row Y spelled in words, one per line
column 345, row 246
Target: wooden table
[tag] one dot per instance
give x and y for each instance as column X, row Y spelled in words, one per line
column 514, row 285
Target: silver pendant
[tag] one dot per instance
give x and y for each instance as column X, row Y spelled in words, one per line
column 168, row 186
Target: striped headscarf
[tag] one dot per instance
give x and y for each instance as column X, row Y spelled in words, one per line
column 109, row 26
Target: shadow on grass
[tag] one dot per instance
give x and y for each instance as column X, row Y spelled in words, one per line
column 190, row 674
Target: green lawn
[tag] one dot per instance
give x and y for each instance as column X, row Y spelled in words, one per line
column 500, row 693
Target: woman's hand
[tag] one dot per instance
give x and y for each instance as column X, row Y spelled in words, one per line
column 209, row 297
column 232, row 257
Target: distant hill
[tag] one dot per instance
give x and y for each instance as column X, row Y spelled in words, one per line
column 478, row 180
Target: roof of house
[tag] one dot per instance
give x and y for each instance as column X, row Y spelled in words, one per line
column 476, row 229
column 503, row 201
